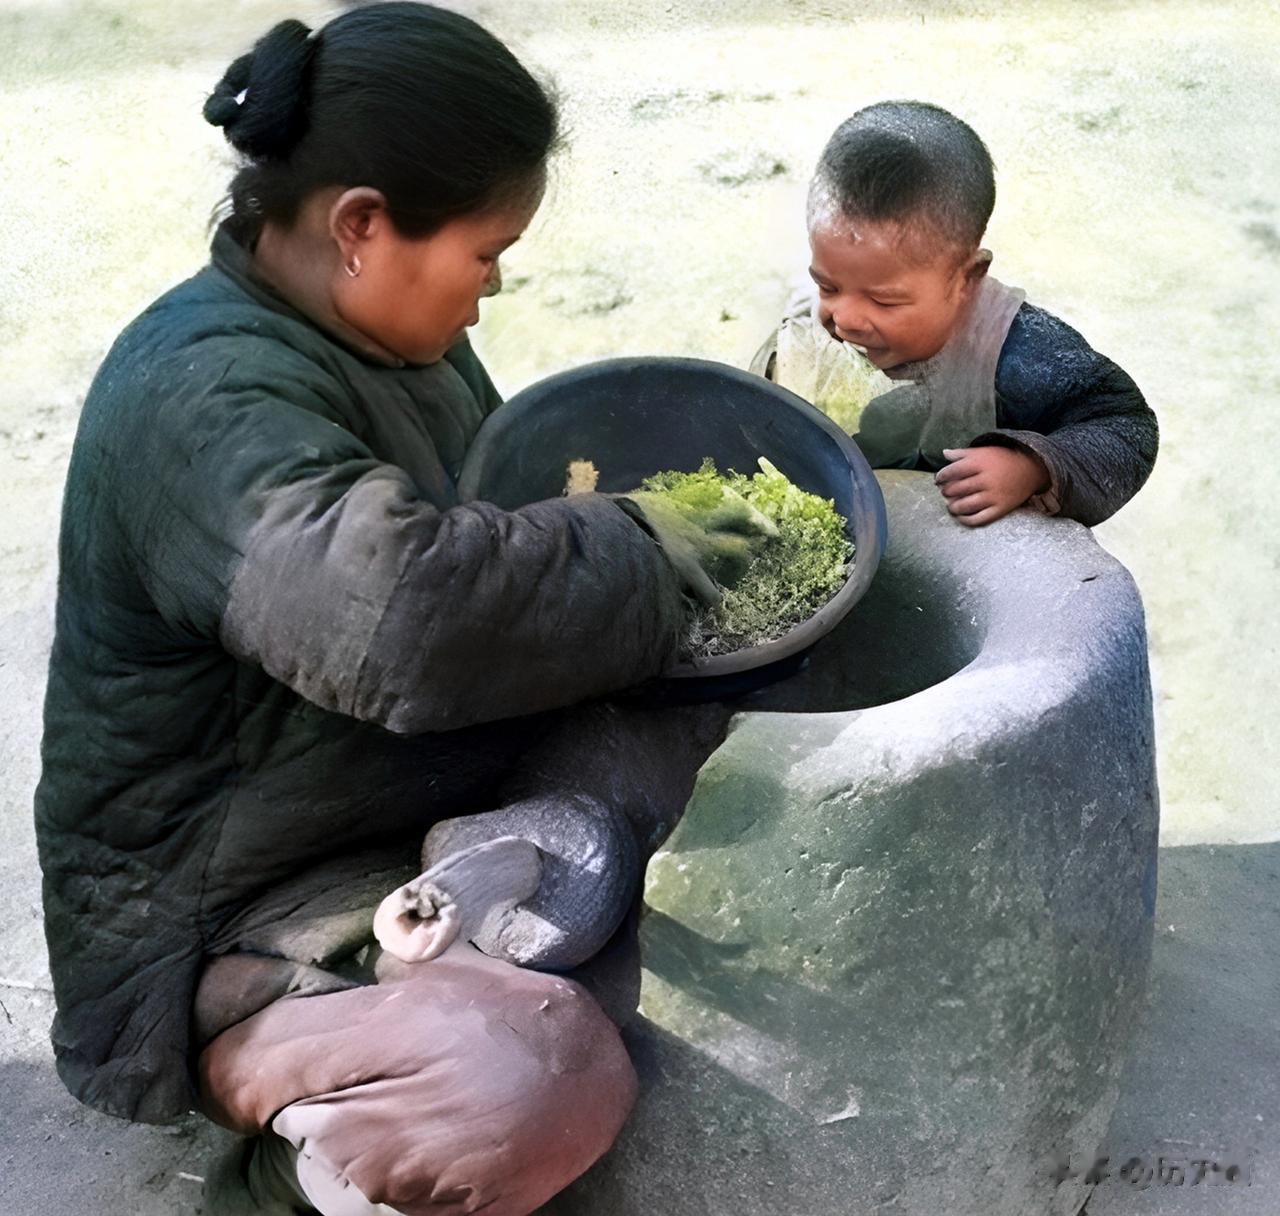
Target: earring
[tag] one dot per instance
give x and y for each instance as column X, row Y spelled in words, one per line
column 353, row 267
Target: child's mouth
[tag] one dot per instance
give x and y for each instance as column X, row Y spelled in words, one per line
column 869, row 352
column 861, row 347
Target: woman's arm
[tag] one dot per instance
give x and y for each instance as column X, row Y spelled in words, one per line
column 262, row 523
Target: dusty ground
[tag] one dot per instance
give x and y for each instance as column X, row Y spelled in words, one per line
column 1138, row 179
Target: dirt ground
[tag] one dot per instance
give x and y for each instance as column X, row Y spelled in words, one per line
column 1139, row 198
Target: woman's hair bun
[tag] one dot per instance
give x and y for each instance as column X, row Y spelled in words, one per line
column 413, row 100
column 261, row 101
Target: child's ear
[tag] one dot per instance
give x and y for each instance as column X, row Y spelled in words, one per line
column 973, row 270
column 976, row 269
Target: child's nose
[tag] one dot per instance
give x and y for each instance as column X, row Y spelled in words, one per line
column 848, row 319
column 826, row 318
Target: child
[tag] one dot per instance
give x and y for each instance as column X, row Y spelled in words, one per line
column 1009, row 404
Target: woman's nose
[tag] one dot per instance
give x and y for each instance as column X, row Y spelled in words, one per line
column 493, row 284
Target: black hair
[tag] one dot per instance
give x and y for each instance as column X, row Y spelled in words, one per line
column 415, row 101
column 912, row 163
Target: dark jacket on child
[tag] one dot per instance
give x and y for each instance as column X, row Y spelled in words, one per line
column 1078, row 411
column 1012, row 374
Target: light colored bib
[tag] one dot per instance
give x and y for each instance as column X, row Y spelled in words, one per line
column 913, row 411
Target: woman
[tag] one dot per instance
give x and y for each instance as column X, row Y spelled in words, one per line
column 283, row 650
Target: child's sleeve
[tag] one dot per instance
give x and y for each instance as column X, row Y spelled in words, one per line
column 1078, row 411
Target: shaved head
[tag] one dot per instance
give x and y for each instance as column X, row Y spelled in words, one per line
column 911, row 164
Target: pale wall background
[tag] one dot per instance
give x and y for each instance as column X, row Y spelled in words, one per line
column 1139, row 197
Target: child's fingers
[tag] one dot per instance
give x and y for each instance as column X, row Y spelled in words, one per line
column 961, row 487
column 978, row 518
column 966, row 466
column 970, row 503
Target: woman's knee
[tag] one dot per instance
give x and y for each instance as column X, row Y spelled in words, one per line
column 548, row 1102
column 582, row 1056
column 565, row 1088
column 495, row 1088
column 566, row 1084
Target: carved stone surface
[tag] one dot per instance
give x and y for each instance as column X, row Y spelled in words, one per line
column 893, row 951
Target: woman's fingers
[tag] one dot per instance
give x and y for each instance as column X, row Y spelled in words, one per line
column 736, row 514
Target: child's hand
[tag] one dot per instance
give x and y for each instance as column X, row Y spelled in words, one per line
column 982, row 484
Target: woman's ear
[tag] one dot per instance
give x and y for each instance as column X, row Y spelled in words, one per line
column 356, row 217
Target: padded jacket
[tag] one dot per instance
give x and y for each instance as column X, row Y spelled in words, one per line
column 283, row 645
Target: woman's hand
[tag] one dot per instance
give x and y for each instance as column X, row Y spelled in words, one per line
column 982, row 484
column 707, row 545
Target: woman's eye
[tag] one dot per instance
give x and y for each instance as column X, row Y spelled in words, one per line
column 824, row 290
column 887, row 303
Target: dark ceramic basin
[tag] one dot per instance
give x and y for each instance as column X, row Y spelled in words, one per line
column 635, row 417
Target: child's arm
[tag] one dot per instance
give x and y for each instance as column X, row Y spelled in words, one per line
column 1082, row 416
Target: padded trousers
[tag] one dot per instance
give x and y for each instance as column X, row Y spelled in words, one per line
column 459, row 1085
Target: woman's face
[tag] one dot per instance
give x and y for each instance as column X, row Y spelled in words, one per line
column 416, row 296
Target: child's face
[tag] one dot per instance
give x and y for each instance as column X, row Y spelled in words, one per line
column 899, row 298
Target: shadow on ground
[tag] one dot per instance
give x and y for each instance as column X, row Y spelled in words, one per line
column 1203, row 1082
column 58, row 1157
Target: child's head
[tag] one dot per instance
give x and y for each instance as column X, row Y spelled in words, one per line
column 410, row 139
column 897, row 209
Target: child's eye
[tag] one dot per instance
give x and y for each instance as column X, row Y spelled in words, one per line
column 887, row 303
